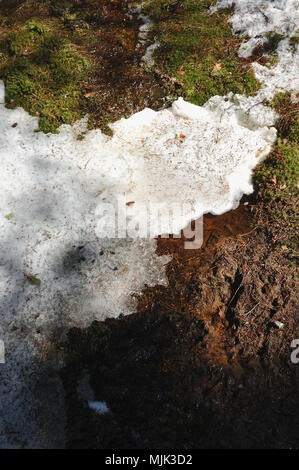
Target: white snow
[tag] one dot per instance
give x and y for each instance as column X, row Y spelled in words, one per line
column 284, row 76
column 256, row 18
column 100, row 407
column 144, row 31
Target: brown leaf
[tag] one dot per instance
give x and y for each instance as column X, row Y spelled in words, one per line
column 217, row 67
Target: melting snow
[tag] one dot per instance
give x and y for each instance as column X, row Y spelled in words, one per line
column 257, row 17
column 99, row 407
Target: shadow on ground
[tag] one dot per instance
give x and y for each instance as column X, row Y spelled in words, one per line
column 202, row 364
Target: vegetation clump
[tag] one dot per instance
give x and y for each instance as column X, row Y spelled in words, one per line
column 273, row 39
column 42, row 66
column 199, row 50
column 277, row 178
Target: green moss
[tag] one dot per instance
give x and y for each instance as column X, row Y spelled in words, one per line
column 63, row 60
column 281, row 170
column 42, row 68
column 200, row 51
column 274, row 39
column 288, row 124
column 278, row 176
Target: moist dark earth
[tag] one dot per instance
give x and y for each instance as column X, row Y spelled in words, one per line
column 202, row 363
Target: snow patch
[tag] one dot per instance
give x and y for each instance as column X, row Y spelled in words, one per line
column 100, row 407
column 144, row 31
column 258, row 17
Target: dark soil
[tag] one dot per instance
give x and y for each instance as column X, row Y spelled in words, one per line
column 202, row 364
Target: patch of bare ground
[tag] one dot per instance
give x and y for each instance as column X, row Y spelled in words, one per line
column 202, row 363
column 103, row 35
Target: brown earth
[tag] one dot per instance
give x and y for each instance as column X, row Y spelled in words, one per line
column 202, row 364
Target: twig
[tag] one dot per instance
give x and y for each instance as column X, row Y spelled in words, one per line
column 246, row 314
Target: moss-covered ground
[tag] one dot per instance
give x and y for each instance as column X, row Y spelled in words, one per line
column 277, row 179
column 199, row 50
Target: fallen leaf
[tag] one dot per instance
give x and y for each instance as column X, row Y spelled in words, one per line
column 217, row 67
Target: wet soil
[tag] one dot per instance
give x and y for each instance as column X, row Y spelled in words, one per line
column 201, row 364
column 122, row 86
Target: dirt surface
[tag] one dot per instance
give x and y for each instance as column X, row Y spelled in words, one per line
column 202, row 364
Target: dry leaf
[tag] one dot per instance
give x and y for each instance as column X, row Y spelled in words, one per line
column 217, row 67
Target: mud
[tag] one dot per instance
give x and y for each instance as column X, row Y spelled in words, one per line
column 119, row 83
column 202, row 364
